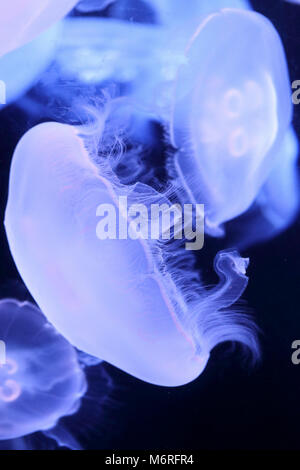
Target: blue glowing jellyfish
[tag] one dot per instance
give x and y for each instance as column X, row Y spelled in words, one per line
column 31, row 59
column 112, row 291
column 23, row 20
column 40, row 381
column 232, row 110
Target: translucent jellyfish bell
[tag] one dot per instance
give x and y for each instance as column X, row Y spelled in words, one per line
column 22, row 20
column 232, row 109
column 41, row 380
column 31, row 59
column 122, row 299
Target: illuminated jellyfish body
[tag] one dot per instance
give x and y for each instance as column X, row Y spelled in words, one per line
column 40, row 381
column 122, row 299
column 23, row 20
column 30, row 60
column 232, row 110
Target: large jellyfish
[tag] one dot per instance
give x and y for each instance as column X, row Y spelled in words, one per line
column 130, row 300
column 231, row 115
column 23, row 20
column 41, row 380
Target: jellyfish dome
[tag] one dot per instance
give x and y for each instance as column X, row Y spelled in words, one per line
column 121, row 298
column 231, row 112
column 22, row 20
column 40, row 381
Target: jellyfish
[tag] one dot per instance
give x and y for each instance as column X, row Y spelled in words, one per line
column 31, row 60
column 231, row 113
column 112, row 290
column 40, row 380
column 23, row 20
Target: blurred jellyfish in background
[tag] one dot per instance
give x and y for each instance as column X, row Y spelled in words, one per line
column 132, row 300
column 174, row 26
column 279, row 197
column 41, row 380
column 231, row 121
column 142, row 56
column 32, row 59
column 277, row 203
column 23, row 20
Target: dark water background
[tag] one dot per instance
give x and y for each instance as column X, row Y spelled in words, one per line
column 229, row 405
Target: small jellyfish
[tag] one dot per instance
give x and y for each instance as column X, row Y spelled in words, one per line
column 231, row 112
column 40, row 381
column 23, row 20
column 133, row 301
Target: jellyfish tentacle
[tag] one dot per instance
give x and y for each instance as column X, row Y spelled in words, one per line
column 231, row 269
